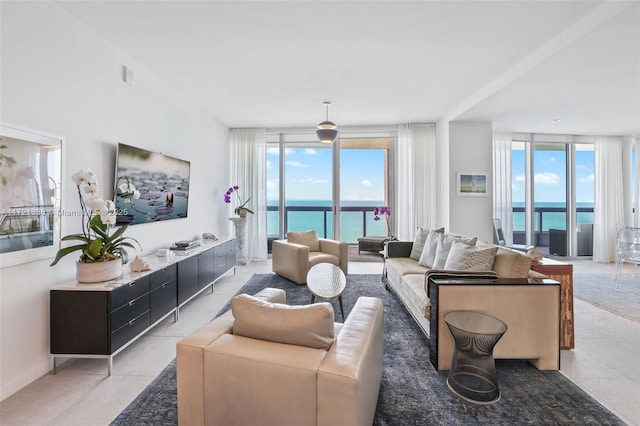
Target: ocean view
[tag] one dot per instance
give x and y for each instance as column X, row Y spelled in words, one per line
column 351, row 225
column 553, row 220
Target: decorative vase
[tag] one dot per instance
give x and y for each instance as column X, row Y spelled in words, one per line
column 98, row 271
column 243, row 214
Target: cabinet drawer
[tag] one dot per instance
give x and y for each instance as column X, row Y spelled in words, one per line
column 187, row 278
column 129, row 311
column 128, row 292
column 163, row 276
column 163, row 300
column 129, row 331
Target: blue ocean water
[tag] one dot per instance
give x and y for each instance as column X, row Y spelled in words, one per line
column 351, row 223
column 554, row 220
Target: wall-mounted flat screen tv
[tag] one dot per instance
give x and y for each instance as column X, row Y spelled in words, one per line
column 150, row 186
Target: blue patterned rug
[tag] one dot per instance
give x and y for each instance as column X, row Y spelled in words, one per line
column 412, row 392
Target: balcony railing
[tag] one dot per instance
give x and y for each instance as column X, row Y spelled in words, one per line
column 544, row 219
column 322, row 222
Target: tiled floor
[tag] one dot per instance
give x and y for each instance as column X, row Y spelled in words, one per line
column 605, row 363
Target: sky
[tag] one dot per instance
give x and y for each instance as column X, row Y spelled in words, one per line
column 550, row 176
column 308, row 174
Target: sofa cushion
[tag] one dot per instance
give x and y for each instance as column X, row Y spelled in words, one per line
column 414, row 284
column 511, row 264
column 307, row 238
column 404, row 266
column 444, row 245
column 429, row 250
column 307, row 325
column 463, row 257
column 418, row 242
column 320, row 257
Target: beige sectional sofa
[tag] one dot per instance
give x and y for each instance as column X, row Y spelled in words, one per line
column 279, row 364
column 525, row 300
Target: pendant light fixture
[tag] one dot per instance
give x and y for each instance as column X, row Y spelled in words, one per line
column 327, row 131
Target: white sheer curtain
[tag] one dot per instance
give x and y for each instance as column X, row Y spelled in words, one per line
column 502, row 204
column 248, row 171
column 609, row 197
column 415, row 168
column 636, row 196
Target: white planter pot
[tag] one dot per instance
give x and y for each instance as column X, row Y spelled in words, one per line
column 98, row 271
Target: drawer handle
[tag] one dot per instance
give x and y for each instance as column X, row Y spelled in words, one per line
column 165, row 285
column 133, row 302
column 132, row 322
column 131, row 284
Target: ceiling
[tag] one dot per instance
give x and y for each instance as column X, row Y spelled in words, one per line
column 271, row 64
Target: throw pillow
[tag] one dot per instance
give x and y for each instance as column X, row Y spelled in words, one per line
column 307, row 238
column 463, row 257
column 429, row 250
column 511, row 264
column 305, row 325
column 418, row 242
column 444, row 246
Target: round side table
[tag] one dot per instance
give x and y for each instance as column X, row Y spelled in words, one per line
column 473, row 374
column 327, row 281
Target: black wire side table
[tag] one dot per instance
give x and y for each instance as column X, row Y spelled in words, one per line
column 473, row 374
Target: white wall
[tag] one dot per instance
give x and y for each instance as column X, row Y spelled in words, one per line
column 442, row 174
column 470, row 150
column 59, row 77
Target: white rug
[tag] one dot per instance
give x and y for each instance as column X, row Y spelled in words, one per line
column 599, row 290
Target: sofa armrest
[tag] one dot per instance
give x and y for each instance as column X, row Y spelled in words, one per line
column 435, row 274
column 338, row 249
column 399, row 248
column 190, row 360
column 350, row 374
column 530, row 308
column 290, row 260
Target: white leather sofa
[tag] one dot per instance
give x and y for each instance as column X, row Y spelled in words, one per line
column 331, row 377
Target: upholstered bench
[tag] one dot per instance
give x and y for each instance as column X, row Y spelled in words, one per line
column 373, row 244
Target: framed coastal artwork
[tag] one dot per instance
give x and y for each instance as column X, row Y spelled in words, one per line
column 472, row 184
column 30, row 173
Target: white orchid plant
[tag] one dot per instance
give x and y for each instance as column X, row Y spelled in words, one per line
column 98, row 215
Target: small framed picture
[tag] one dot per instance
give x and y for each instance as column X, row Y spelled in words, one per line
column 472, row 184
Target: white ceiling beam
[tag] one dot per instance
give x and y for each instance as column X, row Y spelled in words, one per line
column 576, row 31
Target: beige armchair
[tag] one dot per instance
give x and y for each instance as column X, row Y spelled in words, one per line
column 292, row 258
column 264, row 362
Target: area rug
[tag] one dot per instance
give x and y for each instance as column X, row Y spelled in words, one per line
column 599, row 290
column 412, row 392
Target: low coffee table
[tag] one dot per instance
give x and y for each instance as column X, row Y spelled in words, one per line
column 473, row 374
column 327, row 281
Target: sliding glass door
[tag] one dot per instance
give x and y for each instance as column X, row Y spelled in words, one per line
column 553, row 193
column 331, row 188
column 364, row 187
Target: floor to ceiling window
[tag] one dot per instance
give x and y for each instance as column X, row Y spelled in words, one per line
column 556, row 214
column 330, row 188
column 364, row 184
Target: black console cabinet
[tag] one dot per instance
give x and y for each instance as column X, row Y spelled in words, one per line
column 188, row 278
column 99, row 320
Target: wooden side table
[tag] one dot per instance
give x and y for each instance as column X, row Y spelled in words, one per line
column 562, row 272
